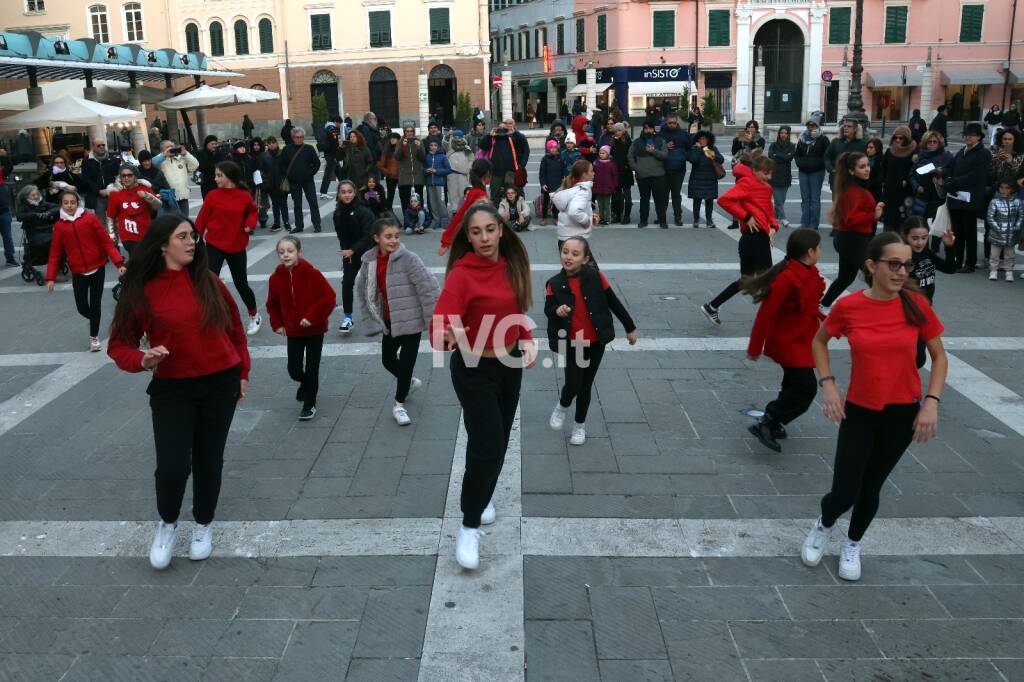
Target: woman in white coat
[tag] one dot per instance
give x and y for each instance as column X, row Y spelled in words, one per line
column 576, row 217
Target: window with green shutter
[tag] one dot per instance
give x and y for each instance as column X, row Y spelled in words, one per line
column 320, row 29
column 266, row 30
column 241, row 37
column 970, row 23
column 560, row 39
column 602, row 32
column 839, row 26
column 581, row 36
column 896, row 24
column 664, row 28
column 527, row 54
column 380, row 29
column 216, row 39
column 440, row 29
column 192, row 38
column 718, row 27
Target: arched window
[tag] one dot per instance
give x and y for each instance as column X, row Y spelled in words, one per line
column 216, row 39
column 98, row 27
column 191, row 38
column 241, row 37
column 266, row 36
column 133, row 21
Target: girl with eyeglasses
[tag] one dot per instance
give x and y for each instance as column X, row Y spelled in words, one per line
column 884, row 408
column 131, row 206
column 897, row 165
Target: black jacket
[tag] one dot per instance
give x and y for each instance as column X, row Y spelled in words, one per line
column 154, row 177
column 782, row 154
column 207, row 165
column 601, row 303
column 37, row 221
column 272, row 174
column 810, row 156
column 353, row 223
column 968, row 172
column 305, row 166
column 373, row 141
column 939, row 125
column 498, row 148
column 96, row 175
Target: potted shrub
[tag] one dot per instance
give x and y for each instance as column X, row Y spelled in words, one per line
column 464, row 112
column 712, row 116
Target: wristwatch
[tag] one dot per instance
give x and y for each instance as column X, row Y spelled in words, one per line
column 821, row 381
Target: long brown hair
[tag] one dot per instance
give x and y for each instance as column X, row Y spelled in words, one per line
column 844, row 179
column 911, row 310
column 146, row 263
column 578, row 170
column 510, row 247
column 799, row 243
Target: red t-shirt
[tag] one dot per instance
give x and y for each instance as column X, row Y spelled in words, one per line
column 382, row 282
column 581, row 321
column 883, row 348
column 131, row 212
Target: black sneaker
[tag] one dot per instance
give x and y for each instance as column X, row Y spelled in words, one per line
column 678, row 221
column 642, row 223
column 734, row 225
column 307, row 413
column 275, row 228
column 317, row 228
column 710, row 313
column 762, row 430
column 296, row 230
column 663, row 225
column 779, row 431
column 709, row 223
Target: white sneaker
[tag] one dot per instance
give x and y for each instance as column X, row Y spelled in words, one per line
column 849, row 560
column 95, row 347
column 163, row 545
column 784, row 223
column 557, row 417
column 814, row 544
column 401, row 416
column 994, row 275
column 415, row 385
column 255, row 322
column 467, row 547
column 579, row 434
column 489, row 514
column 1009, row 275
column 202, row 543
column 1022, row 275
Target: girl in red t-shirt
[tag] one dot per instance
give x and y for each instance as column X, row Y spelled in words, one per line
column 131, row 206
column 579, row 304
column 786, row 322
column 884, row 409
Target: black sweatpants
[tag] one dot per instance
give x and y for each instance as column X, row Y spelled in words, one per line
column 580, row 373
column 870, row 445
column 489, row 394
column 965, row 229
column 349, row 272
column 89, row 297
column 191, row 420
column 239, row 273
column 709, row 206
column 796, row 395
column 674, row 182
column 852, row 248
column 398, row 355
column 279, row 202
column 755, row 256
column 330, row 171
column 308, row 349
column 653, row 186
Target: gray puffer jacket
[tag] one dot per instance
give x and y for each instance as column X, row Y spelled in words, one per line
column 412, row 293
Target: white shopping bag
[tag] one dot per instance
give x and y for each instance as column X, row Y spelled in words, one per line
column 940, row 224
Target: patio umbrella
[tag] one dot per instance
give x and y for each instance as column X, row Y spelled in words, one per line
column 206, row 97
column 70, row 111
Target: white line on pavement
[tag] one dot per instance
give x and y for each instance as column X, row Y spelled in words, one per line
column 986, row 393
column 41, row 392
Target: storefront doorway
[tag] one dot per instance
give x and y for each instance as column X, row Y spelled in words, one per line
column 780, row 44
column 384, row 97
column 964, row 102
column 441, row 94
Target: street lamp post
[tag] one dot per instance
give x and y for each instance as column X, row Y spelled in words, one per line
column 855, row 102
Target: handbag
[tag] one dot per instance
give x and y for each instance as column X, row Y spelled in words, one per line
column 519, row 177
column 538, row 206
column 940, row 224
column 719, row 168
column 286, row 186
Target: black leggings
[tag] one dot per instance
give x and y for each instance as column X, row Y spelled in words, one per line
column 489, row 394
column 239, row 273
column 852, row 248
column 708, row 207
column 392, row 187
column 871, row 443
column 796, row 395
column 349, row 272
column 89, row 297
column 581, row 365
column 306, row 348
column 398, row 355
column 279, row 201
column 755, row 256
column 191, row 420
column 965, row 229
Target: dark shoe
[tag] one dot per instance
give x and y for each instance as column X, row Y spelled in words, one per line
column 317, row 228
column 297, row 230
column 642, row 223
column 678, row 221
column 966, row 270
column 711, row 313
column 762, row 430
column 307, row 413
column 663, row 225
column 734, row 226
column 709, row 222
column 779, row 432
column 12, row 264
column 275, row 228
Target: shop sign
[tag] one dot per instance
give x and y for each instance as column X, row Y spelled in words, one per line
column 496, row 82
column 639, row 74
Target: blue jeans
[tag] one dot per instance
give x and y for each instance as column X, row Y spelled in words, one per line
column 779, row 196
column 810, row 198
column 5, row 231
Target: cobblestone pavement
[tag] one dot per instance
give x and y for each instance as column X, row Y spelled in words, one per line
column 665, row 548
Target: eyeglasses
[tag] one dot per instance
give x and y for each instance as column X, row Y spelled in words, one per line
column 187, row 237
column 899, row 137
column 895, row 265
column 127, row 175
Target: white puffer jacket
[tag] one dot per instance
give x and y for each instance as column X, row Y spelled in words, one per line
column 178, row 171
column 575, row 213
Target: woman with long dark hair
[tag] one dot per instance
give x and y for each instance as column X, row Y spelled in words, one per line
column 225, row 221
column 481, row 314
column 884, row 409
column 200, row 363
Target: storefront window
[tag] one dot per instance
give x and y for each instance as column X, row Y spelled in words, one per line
column 964, row 102
column 886, row 103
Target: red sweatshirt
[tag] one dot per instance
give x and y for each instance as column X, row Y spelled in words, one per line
column 382, row 282
column 175, row 321
column 132, row 213
column 300, row 293
column 478, row 290
column 858, row 210
column 474, row 195
column 789, row 317
column 750, row 197
column 224, row 218
column 85, row 243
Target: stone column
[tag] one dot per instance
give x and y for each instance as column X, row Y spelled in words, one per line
column 844, row 87
column 591, row 87
column 282, row 78
column 140, row 139
column 91, row 94
column 170, row 115
column 200, row 116
column 424, row 105
column 506, row 93
column 812, row 96
column 926, row 87
column 39, row 137
column 759, row 94
column 743, row 71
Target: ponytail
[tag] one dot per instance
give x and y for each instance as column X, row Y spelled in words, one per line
column 758, row 286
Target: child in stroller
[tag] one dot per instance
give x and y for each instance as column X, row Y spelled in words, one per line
column 37, row 217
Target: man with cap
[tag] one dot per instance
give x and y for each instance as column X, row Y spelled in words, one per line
column 677, row 145
column 647, row 157
column 965, row 182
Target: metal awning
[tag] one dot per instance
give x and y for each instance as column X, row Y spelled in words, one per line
column 581, row 88
column 660, row 88
column 971, row 77
column 537, row 85
column 893, row 78
column 1017, row 75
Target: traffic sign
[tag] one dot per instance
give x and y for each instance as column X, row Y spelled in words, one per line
column 826, row 76
column 496, row 81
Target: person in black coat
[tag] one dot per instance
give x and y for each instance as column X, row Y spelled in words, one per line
column 811, row 147
column 967, row 172
column 57, row 178
column 286, row 131
column 6, row 169
column 781, row 152
column 939, row 122
column 371, row 133
column 247, row 126
column 678, row 144
column 298, row 163
column 703, row 185
column 209, row 156
column 917, row 126
column 272, row 176
column 507, row 149
column 622, row 200
column 98, row 170
column 897, row 165
column 353, row 224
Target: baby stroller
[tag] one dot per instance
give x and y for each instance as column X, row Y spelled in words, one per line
column 37, row 221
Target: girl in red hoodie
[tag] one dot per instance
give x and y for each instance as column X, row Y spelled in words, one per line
column 200, row 364
column 751, row 203
column 783, row 330
column 482, row 314
column 299, row 303
column 479, row 181
column 854, row 214
column 80, row 237
column 225, row 221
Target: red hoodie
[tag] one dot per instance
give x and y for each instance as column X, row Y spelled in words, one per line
column 132, row 213
column 224, row 218
column 85, row 243
column 474, row 195
column 858, row 210
column 478, row 290
column 789, row 317
column 175, row 321
column 750, row 197
column 300, row 293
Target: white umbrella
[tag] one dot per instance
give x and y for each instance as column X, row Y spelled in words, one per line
column 70, row 111
column 108, row 92
column 205, row 97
